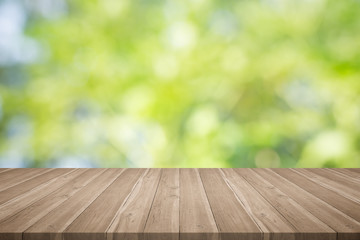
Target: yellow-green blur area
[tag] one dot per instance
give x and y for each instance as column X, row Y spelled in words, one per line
column 184, row 83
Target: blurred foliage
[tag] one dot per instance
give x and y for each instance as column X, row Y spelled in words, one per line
column 181, row 83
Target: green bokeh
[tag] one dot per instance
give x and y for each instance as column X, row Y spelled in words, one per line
column 187, row 83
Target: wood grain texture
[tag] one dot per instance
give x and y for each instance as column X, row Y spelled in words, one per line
column 179, row 204
column 334, row 182
column 196, row 219
column 307, row 225
column 96, row 218
column 347, row 228
column 232, row 220
column 347, row 206
column 130, row 220
column 53, row 224
column 350, row 175
column 163, row 219
column 21, row 202
column 19, row 175
column 32, row 183
column 18, row 223
column 270, row 221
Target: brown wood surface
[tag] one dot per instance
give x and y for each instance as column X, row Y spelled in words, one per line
column 231, row 218
column 4, row 169
column 17, row 176
column 163, row 219
column 343, row 186
column 270, row 221
column 130, row 221
column 347, row 206
column 26, row 186
column 196, row 218
column 307, row 226
column 348, row 228
column 96, row 218
column 179, row 204
column 53, row 224
column 356, row 170
column 350, row 175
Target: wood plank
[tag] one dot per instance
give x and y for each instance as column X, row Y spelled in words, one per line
column 23, row 187
column 356, row 170
column 347, row 228
column 94, row 221
column 307, row 225
column 51, row 226
column 18, row 175
column 7, row 175
column 163, row 219
column 231, row 218
column 21, row 202
column 130, row 221
column 338, row 184
column 196, row 219
column 271, row 222
column 4, row 169
column 16, row 224
column 345, row 205
column 181, row 204
column 347, row 173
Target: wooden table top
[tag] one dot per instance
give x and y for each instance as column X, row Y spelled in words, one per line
column 173, row 204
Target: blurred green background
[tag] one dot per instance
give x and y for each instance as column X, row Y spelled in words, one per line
column 179, row 83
